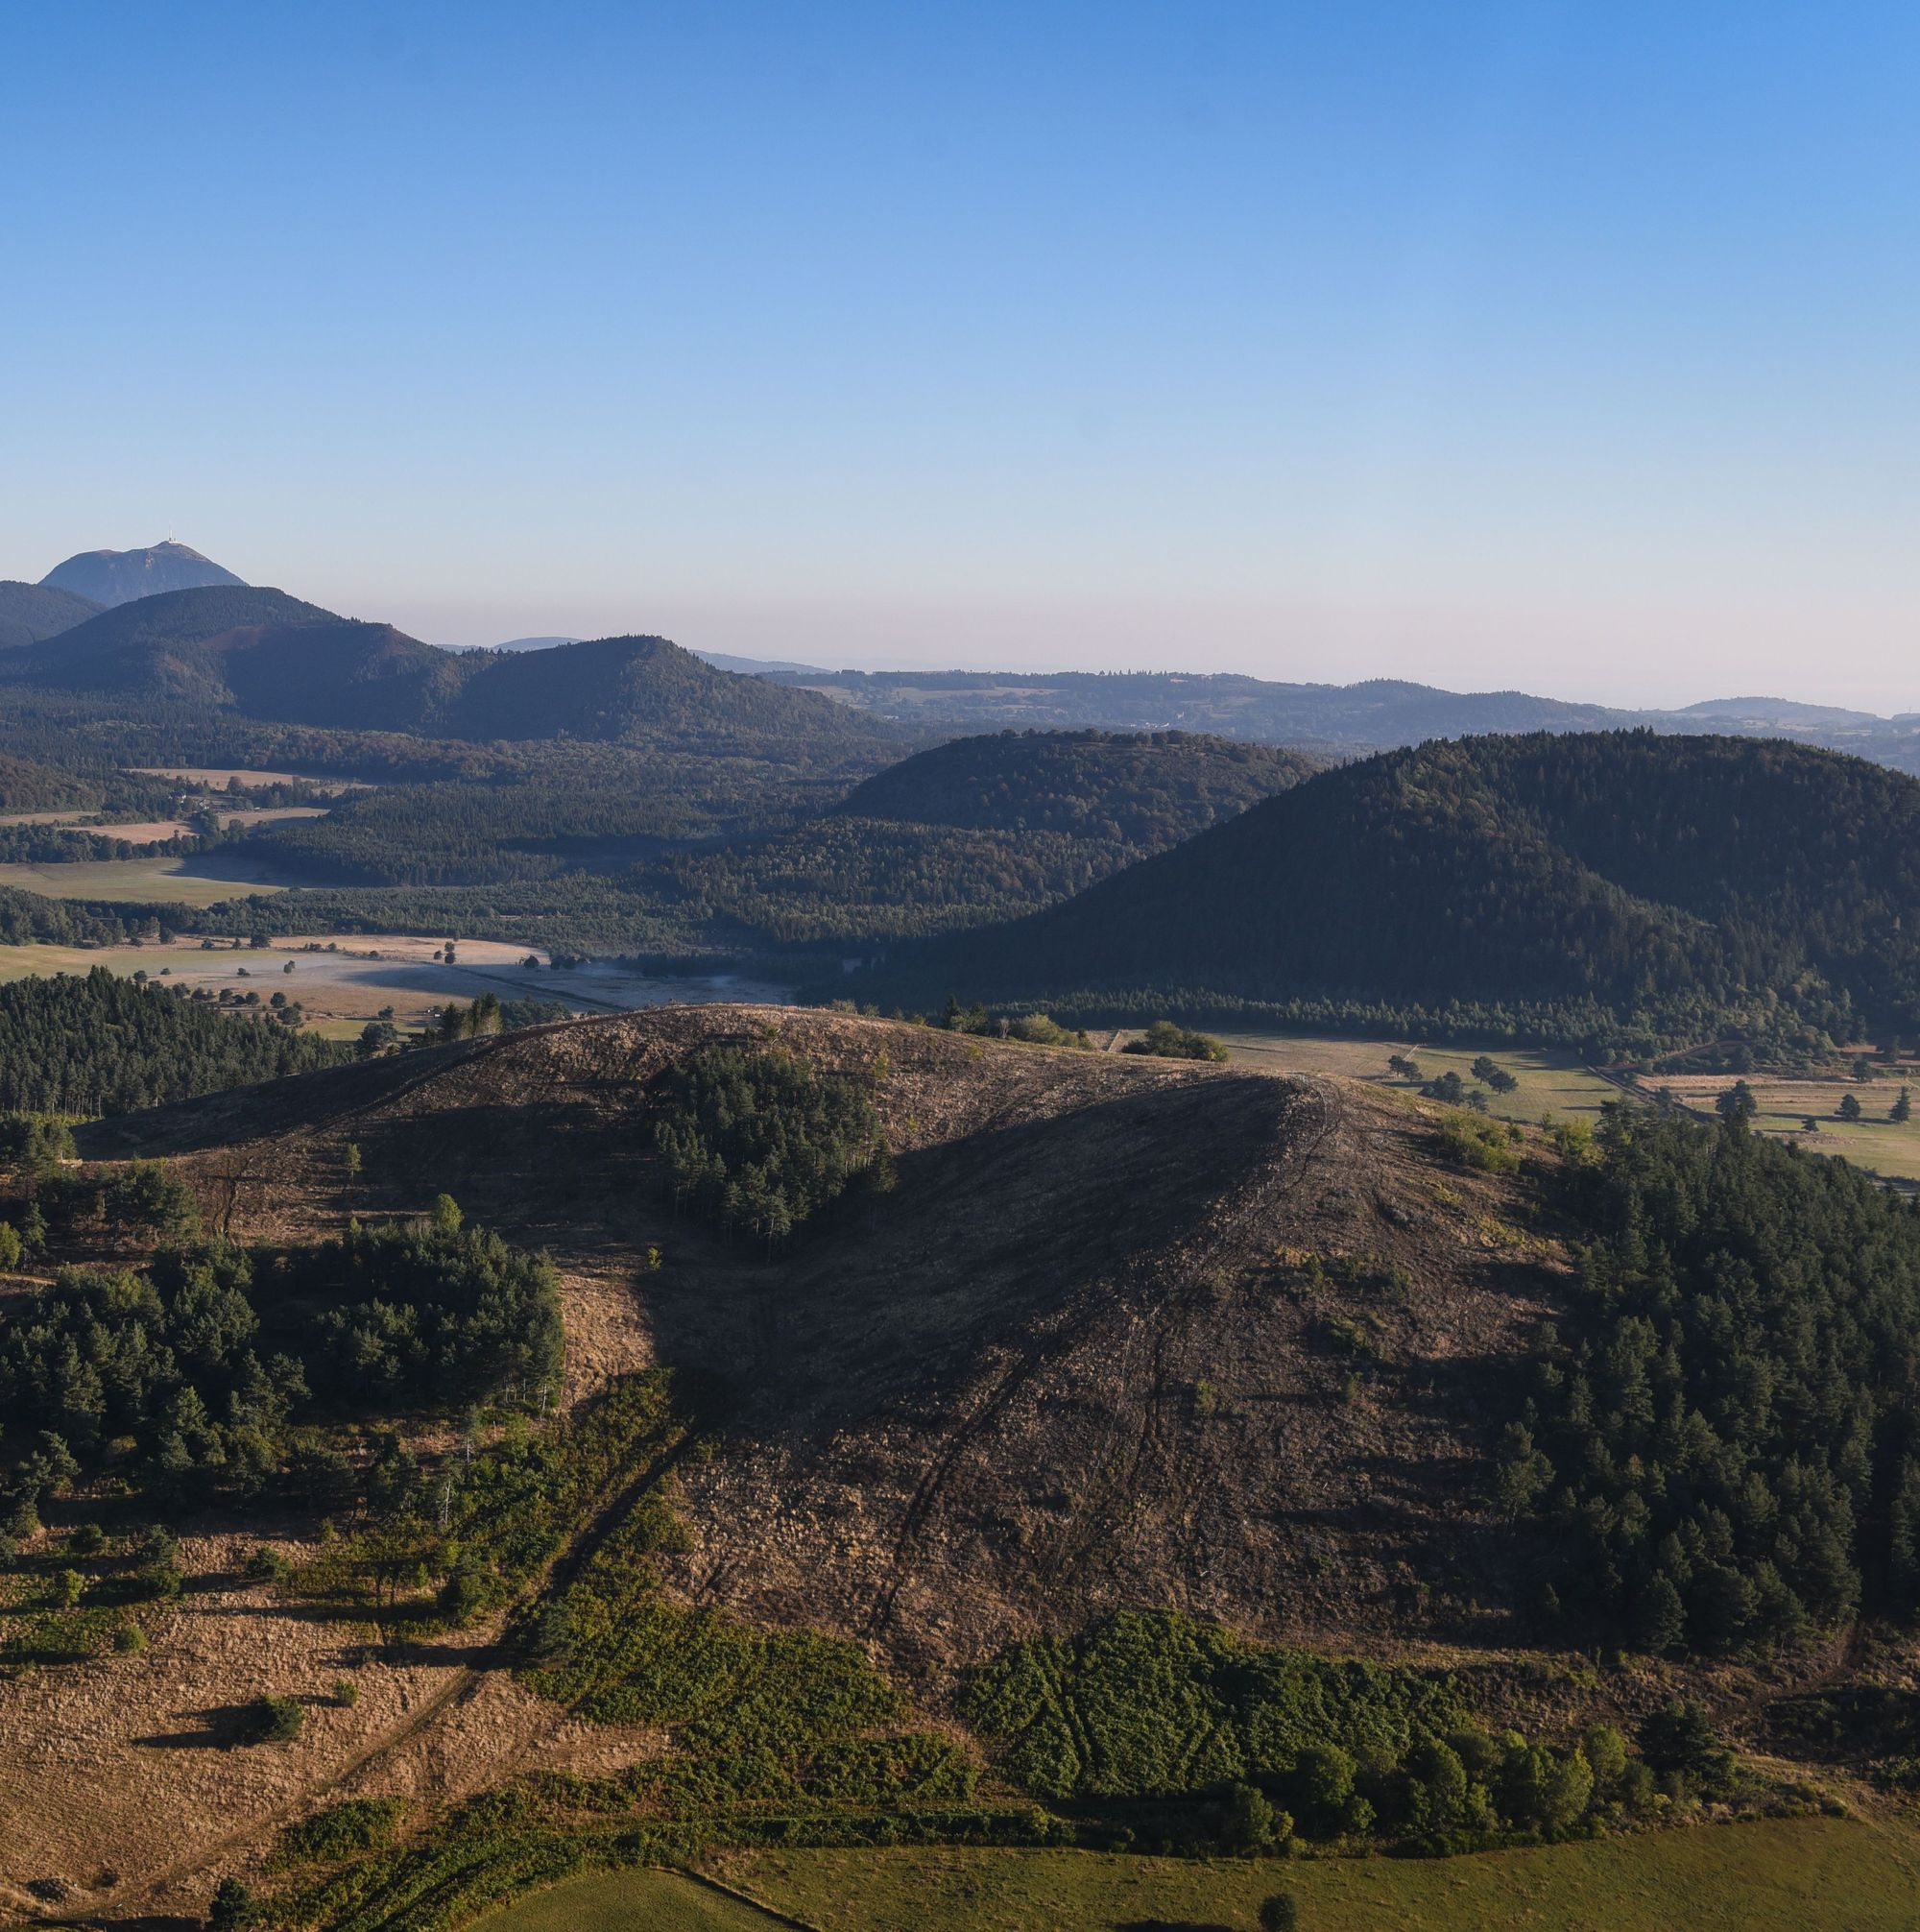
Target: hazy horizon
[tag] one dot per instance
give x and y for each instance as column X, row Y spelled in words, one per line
column 1502, row 349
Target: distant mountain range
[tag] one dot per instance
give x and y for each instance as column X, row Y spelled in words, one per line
column 1333, row 719
column 379, row 664
column 111, row 577
column 266, row 655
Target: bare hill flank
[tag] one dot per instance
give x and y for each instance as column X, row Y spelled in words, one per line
column 1125, row 1332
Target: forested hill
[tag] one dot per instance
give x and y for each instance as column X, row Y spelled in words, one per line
column 118, row 645
column 1142, row 789
column 636, row 688
column 104, row 1045
column 1617, row 888
column 31, row 612
column 262, row 655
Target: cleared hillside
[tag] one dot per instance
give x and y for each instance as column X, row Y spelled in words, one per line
column 926, row 1407
column 1098, row 1370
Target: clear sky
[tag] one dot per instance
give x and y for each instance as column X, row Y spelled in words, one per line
column 1568, row 347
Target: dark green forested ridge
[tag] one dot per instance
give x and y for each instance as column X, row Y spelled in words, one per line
column 1668, row 888
column 31, row 612
column 105, row 1045
column 1145, row 791
column 1723, row 1445
column 170, row 619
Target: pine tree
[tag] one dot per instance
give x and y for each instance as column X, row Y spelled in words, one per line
column 1660, row 1617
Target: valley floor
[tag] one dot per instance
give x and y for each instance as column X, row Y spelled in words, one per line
column 1780, row 1875
column 366, row 975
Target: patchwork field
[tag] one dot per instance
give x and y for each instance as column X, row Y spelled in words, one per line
column 365, row 978
column 1774, row 1876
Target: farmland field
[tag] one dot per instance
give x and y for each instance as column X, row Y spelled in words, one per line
column 364, row 975
column 1787, row 1104
column 220, row 776
column 1554, row 1083
column 1782, row 1875
column 628, row 1901
column 204, row 879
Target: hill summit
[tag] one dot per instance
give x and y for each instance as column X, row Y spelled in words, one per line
column 112, row 577
column 1622, row 889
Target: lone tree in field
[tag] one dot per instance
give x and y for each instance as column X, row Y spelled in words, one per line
column 1850, row 1107
column 1737, row 1103
column 1901, row 1110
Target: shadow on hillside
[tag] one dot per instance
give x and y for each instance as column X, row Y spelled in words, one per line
column 991, row 1240
column 1170, row 1925
column 220, row 1727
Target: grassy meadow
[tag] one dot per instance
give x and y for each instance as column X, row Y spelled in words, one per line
column 1557, row 1084
column 1554, row 1083
column 1785, row 1105
column 1779, row 1875
column 627, row 1902
column 205, row 880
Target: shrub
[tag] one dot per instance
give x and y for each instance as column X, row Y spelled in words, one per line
column 1281, row 1913
column 1249, row 1823
column 1478, row 1143
column 275, row 1720
column 354, row 1824
column 130, row 1640
column 1166, row 1041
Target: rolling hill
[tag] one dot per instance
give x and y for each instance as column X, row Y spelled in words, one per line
column 1145, row 790
column 1603, row 887
column 264, row 655
column 1120, row 1188
column 970, row 832
column 111, row 577
column 31, row 612
column 612, row 689
column 990, row 1489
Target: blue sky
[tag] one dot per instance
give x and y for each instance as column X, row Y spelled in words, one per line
column 1570, row 347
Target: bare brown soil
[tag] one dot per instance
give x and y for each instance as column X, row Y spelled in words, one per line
column 1079, row 1359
